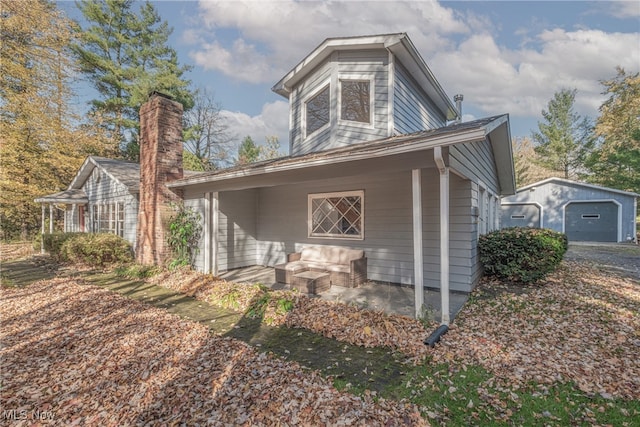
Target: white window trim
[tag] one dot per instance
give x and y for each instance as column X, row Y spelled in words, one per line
column 311, row 197
column 372, row 91
column 320, row 88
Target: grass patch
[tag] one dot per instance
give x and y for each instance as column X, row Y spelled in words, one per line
column 462, row 395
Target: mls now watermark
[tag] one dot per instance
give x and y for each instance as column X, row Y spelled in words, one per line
column 21, row 414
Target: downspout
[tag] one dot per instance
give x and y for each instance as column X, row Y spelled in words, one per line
column 444, row 249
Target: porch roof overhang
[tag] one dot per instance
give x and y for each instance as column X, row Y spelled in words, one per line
column 397, row 152
column 69, row 197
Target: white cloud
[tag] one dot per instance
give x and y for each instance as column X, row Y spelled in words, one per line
column 496, row 79
column 258, row 42
column 624, row 9
column 273, row 120
column 269, row 38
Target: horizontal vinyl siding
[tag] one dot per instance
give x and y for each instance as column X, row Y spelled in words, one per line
column 101, row 189
column 298, row 143
column 413, row 110
column 237, row 229
column 475, row 161
column 341, row 65
column 388, row 243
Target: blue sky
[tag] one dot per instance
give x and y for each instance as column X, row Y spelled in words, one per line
column 504, row 56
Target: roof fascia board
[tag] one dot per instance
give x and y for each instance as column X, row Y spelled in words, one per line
column 472, row 135
column 83, row 173
column 65, row 201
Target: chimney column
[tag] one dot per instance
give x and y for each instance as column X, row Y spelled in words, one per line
column 160, row 162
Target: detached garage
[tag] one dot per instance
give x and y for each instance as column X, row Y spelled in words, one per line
column 585, row 212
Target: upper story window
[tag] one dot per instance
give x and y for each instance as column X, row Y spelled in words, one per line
column 317, row 111
column 355, row 100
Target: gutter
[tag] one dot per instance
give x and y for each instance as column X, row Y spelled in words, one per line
column 443, row 169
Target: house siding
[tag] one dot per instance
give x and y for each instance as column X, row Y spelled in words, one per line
column 388, row 242
column 413, row 110
column 100, row 188
column 553, row 197
column 344, row 64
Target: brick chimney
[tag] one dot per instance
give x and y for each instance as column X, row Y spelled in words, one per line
column 160, row 162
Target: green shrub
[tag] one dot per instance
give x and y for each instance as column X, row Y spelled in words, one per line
column 97, row 250
column 185, row 229
column 54, row 242
column 522, row 255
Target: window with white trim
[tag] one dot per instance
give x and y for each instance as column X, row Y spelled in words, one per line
column 355, row 100
column 109, row 218
column 317, row 112
column 337, row 215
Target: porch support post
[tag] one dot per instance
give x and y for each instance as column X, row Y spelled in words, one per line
column 215, row 218
column 444, row 235
column 418, row 271
column 50, row 218
column 207, row 233
column 42, row 230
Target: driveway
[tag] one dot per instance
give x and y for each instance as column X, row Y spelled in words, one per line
column 620, row 258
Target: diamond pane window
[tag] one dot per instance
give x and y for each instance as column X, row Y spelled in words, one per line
column 337, row 215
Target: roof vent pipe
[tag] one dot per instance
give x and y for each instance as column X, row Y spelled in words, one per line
column 458, row 99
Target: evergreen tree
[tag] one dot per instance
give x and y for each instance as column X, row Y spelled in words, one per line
column 564, row 137
column 126, row 56
column 248, row 151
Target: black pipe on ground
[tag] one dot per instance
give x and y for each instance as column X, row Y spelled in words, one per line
column 432, row 339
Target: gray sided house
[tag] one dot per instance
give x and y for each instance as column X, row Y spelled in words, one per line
column 103, row 197
column 585, row 212
column 373, row 166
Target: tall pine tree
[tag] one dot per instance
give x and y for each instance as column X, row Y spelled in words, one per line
column 564, row 137
column 125, row 55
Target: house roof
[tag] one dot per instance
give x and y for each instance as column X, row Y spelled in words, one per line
column 128, row 173
column 398, row 43
column 580, row 184
column 495, row 128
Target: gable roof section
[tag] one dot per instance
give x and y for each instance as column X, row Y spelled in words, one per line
column 577, row 183
column 398, row 43
column 495, row 128
column 127, row 173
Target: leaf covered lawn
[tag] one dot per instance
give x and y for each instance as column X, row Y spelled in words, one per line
column 91, row 357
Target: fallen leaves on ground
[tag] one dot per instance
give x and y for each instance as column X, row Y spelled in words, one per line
column 582, row 325
column 347, row 323
column 91, row 357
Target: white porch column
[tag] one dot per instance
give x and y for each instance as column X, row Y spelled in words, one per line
column 42, row 231
column 207, row 233
column 50, row 218
column 418, row 271
column 444, row 235
column 213, row 235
